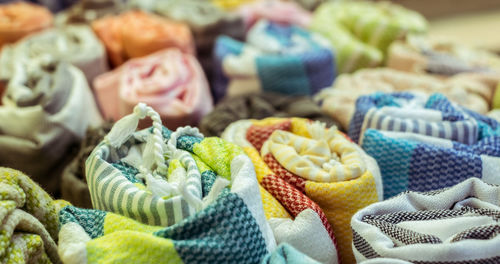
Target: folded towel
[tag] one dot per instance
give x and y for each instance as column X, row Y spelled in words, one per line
column 258, row 106
column 280, row 12
column 425, row 143
column 86, row 11
column 29, row 220
column 178, row 186
column 45, row 109
column 339, row 100
column 74, row 188
column 452, row 225
column 136, row 34
column 360, row 31
column 286, row 254
column 76, row 44
column 170, row 81
column 275, row 58
column 306, row 163
column 20, row 19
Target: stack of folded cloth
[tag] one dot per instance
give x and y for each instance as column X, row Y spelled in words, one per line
column 464, row 89
column 171, row 81
column 360, row 31
column 425, row 143
column 20, row 19
column 76, row 44
column 259, row 106
column 166, row 193
column 74, row 188
column 46, row 107
column 136, row 34
column 308, row 167
column 275, row 58
column 29, row 220
column 279, row 12
column 86, row 11
column 453, row 225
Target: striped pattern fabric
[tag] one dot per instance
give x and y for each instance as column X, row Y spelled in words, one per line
column 425, row 143
column 443, row 226
column 275, row 58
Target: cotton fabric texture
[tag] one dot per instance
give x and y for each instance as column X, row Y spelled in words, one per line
column 74, row 186
column 288, row 13
column 20, row 19
column 170, row 81
column 275, row 58
column 259, row 106
column 185, row 210
column 286, row 254
column 135, row 34
column 425, row 143
column 86, row 11
column 29, row 220
column 452, row 225
column 76, row 44
column 339, row 100
column 305, row 165
column 46, row 108
column 360, row 31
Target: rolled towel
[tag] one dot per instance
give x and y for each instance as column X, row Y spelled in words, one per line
column 361, row 31
column 170, row 81
column 45, row 109
column 275, row 58
column 259, row 106
column 76, row 44
column 451, row 225
column 74, row 186
column 180, row 211
column 339, row 100
column 136, row 34
column 20, row 19
column 304, row 159
column 29, row 220
column 86, row 11
column 288, row 13
column 425, row 143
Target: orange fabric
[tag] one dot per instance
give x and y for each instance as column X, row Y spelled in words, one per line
column 136, row 34
column 20, row 19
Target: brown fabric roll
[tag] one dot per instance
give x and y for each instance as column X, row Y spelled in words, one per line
column 74, row 185
column 259, row 106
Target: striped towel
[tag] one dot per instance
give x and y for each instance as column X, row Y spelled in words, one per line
column 304, row 161
column 275, row 58
column 360, row 31
column 166, row 202
column 453, row 225
column 425, row 143
column 76, row 44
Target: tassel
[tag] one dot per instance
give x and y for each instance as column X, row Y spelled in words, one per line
column 161, row 187
column 125, row 127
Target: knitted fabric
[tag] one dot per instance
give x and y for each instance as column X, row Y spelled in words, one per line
column 258, row 106
column 74, row 186
column 29, row 220
column 275, row 58
column 453, row 225
column 45, row 109
column 337, row 199
column 276, row 11
column 76, row 44
column 360, row 31
column 22, row 19
column 286, row 254
column 425, row 143
column 176, row 88
column 86, row 11
column 135, row 34
column 339, row 100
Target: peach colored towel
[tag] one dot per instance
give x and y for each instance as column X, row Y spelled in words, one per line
column 20, row 19
column 170, row 81
column 275, row 11
column 136, row 34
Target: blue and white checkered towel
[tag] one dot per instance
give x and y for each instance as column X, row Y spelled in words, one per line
column 425, row 143
column 275, row 58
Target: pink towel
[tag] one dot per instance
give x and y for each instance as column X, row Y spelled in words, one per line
column 276, row 11
column 170, row 81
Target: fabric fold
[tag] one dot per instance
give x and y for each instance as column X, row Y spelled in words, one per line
column 423, row 143
column 86, row 11
column 281, row 12
column 447, row 225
